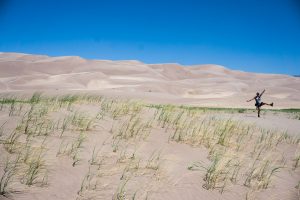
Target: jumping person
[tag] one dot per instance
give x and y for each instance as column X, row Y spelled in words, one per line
column 258, row 102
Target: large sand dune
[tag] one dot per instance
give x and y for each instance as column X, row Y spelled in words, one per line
column 206, row 85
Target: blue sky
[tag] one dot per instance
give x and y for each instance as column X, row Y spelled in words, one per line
column 249, row 35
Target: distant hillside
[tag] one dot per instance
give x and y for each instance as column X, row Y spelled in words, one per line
column 201, row 84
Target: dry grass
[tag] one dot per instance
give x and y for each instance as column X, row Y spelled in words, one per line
column 239, row 153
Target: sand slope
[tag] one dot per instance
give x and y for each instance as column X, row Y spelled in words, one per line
column 206, row 85
column 92, row 147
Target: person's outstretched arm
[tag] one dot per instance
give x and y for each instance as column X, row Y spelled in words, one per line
column 262, row 93
column 251, row 99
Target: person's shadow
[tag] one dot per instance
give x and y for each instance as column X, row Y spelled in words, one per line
column 251, row 116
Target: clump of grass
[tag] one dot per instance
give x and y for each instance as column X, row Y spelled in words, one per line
column 64, row 126
column 35, row 98
column 132, row 165
column 260, row 173
column 27, row 152
column 12, row 108
column 241, row 110
column 11, row 143
column 134, row 128
column 2, row 129
column 9, row 172
column 81, row 122
column 120, row 194
column 72, row 150
column 115, row 144
column 35, row 169
column 68, row 100
column 223, row 169
column 89, row 182
column 117, row 109
column 94, row 160
column 153, row 161
column 296, row 159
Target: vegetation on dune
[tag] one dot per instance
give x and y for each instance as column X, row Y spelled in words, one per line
column 238, row 153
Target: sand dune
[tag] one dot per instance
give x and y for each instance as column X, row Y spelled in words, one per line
column 60, row 146
column 93, row 147
column 211, row 85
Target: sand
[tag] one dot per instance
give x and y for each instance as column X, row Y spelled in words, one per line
column 203, row 85
column 121, row 83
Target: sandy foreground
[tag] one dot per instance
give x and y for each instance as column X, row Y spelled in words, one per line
column 116, row 130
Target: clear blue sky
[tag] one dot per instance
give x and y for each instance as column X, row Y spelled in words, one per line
column 249, row 35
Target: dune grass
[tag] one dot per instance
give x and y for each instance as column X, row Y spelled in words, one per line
column 238, row 153
column 8, row 175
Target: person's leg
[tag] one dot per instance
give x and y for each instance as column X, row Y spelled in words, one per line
column 263, row 103
column 258, row 111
